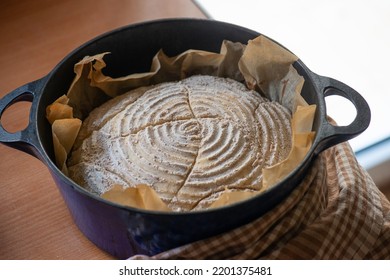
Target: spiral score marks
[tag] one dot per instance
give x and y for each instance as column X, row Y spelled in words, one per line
column 190, row 140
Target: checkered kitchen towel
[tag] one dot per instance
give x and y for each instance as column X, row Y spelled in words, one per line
column 337, row 212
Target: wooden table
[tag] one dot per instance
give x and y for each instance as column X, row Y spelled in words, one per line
column 34, row 37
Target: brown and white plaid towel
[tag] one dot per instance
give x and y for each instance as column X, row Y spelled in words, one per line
column 337, row 212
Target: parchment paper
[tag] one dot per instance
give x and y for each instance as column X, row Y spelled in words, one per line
column 261, row 64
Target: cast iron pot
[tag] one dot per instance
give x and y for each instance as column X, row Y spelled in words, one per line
column 125, row 231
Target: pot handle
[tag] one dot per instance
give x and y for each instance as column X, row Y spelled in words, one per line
column 25, row 140
column 332, row 134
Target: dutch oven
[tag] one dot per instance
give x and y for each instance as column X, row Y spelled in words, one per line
column 125, row 231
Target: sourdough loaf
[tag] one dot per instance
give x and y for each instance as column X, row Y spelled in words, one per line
column 190, row 140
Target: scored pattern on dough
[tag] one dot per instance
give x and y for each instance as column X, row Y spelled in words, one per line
column 190, row 140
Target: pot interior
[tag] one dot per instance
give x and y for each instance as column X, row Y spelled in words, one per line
column 132, row 49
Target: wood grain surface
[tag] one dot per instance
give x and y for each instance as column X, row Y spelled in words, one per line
column 34, row 37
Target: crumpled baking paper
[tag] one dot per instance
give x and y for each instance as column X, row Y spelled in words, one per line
column 261, row 64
